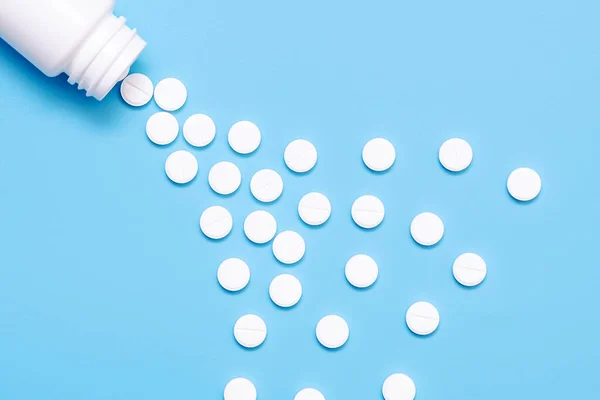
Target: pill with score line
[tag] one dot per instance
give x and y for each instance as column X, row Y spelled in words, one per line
column 266, row 185
column 300, row 156
column 181, row 167
column 250, row 331
column 314, row 209
column 137, row 90
column 216, row 222
column 199, row 130
column 422, row 318
column 368, row 211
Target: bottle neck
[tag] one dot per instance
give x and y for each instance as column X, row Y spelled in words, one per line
column 104, row 57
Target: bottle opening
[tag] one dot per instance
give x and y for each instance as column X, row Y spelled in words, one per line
column 105, row 57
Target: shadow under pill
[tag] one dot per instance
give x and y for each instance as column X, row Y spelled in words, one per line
column 422, row 337
column 368, row 229
column 378, row 173
column 453, row 173
column 433, row 246
column 233, row 293
column 284, row 264
column 523, row 203
column 181, row 185
column 248, row 349
column 463, row 287
column 299, row 174
column 359, row 289
column 330, row 350
column 313, row 227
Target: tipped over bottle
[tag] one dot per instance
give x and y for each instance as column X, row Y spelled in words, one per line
column 82, row 38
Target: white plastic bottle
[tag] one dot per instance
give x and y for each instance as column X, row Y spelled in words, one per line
column 82, row 38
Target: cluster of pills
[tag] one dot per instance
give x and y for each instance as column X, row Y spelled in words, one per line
column 314, row 208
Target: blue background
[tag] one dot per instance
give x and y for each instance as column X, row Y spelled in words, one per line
column 108, row 289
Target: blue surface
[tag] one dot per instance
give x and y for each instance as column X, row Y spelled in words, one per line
column 108, row 289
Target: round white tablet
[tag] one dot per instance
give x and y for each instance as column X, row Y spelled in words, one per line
column 422, row 318
column 260, row 227
column 239, row 389
column 399, row 387
column 332, row 331
column 427, row 229
column 285, row 290
column 199, row 130
column 266, row 185
column 181, row 166
column 170, row 94
column 288, row 247
column 309, row 394
column 250, row 331
column 300, row 156
column 224, row 177
column 524, row 184
column 361, row 271
column 368, row 211
column 469, row 269
column 314, row 208
column 244, row 137
column 379, row 154
column 233, row 274
column 137, row 90
column 162, row 128
column 216, row 222
column 455, row 154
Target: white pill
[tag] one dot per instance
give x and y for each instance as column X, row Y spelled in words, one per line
column 524, row 184
column 332, row 331
column 379, row 154
column 422, row 318
column 288, row 247
column 239, row 389
column 309, row 394
column 199, row 130
column 469, row 269
column 216, row 222
column 244, row 137
column 427, row 229
column 250, row 331
column 399, row 387
column 361, row 271
column 162, row 128
column 233, row 274
column 314, row 208
column 224, row 177
column 455, row 154
column 137, row 90
column 368, row 211
column 170, row 94
column 285, row 290
column 300, row 156
column 266, row 185
column 260, row 227
column 181, row 166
